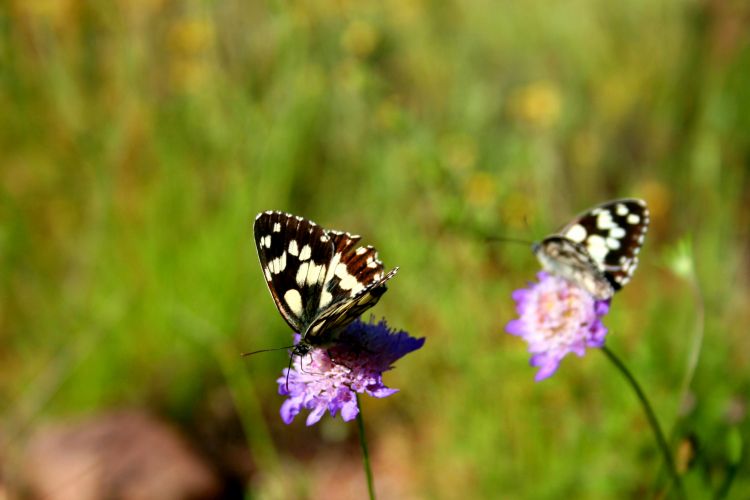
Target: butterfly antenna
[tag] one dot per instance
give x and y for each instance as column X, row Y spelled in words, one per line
column 291, row 359
column 245, row 354
column 504, row 239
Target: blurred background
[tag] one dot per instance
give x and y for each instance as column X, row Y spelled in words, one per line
column 139, row 138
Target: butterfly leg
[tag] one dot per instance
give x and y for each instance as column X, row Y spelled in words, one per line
column 302, row 365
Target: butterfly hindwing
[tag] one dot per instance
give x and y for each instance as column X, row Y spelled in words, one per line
column 343, row 312
column 599, row 248
column 571, row 260
column 353, row 284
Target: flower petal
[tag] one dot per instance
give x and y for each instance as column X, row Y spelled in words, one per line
column 381, row 391
column 289, row 409
column 546, row 371
column 516, row 327
column 349, row 410
column 315, row 415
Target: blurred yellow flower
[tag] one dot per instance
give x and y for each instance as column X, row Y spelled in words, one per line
column 140, row 10
column 480, row 189
column 360, row 38
column 405, row 12
column 191, row 37
column 190, row 41
column 57, row 12
column 538, row 104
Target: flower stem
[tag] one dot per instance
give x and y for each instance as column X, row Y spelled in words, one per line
column 365, row 453
column 651, row 416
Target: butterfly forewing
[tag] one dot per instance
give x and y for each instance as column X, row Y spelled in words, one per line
column 294, row 256
column 599, row 248
column 613, row 234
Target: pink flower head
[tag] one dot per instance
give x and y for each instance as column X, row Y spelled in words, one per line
column 557, row 317
column 328, row 378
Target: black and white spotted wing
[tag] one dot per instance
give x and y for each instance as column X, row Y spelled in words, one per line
column 319, row 279
column 599, row 249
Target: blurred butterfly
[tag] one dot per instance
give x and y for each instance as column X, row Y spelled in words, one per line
column 598, row 250
column 319, row 278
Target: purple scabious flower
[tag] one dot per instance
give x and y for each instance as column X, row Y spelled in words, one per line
column 328, row 378
column 557, row 317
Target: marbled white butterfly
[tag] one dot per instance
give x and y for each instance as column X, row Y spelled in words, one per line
column 599, row 249
column 319, row 279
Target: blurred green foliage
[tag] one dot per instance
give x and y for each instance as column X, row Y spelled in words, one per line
column 139, row 139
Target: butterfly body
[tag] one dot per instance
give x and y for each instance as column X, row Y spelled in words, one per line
column 320, row 280
column 599, row 249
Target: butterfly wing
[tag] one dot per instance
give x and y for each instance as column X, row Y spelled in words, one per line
column 320, row 280
column 294, row 254
column 612, row 234
column 354, row 282
column 339, row 315
column 570, row 260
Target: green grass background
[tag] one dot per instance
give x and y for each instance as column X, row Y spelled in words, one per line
column 138, row 139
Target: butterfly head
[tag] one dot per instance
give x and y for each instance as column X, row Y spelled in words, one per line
column 301, row 348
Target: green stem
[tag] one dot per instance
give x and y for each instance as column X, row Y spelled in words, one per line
column 365, row 453
column 696, row 344
column 651, row 416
